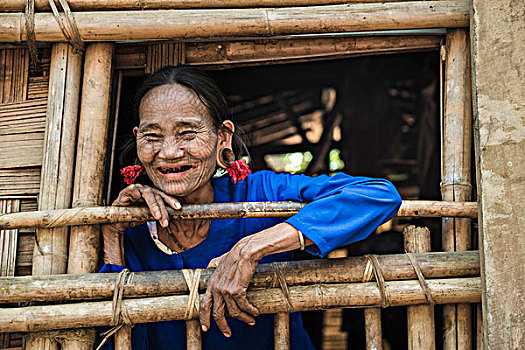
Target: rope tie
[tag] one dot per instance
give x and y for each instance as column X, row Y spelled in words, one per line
column 421, row 278
column 192, row 278
column 120, row 317
column 280, row 280
column 380, row 279
column 29, row 14
column 68, row 26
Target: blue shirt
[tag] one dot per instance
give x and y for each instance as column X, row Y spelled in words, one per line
column 343, row 209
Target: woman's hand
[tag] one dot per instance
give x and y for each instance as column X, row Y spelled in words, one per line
column 227, row 288
column 156, row 201
column 228, row 285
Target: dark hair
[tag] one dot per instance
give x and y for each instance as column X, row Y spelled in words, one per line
column 205, row 88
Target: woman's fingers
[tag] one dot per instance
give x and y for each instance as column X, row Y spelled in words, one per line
column 172, row 202
column 245, row 305
column 235, row 312
column 205, row 310
column 164, row 217
column 218, row 314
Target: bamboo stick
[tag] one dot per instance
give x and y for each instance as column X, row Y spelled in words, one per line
column 123, row 338
column 155, row 283
column 456, row 182
column 374, row 336
column 102, row 215
column 56, row 181
column 91, row 155
column 281, row 331
column 302, row 298
column 188, row 24
column 77, row 339
column 193, row 335
column 420, row 319
column 98, row 5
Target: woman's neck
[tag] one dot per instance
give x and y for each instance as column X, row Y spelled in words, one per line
column 201, row 195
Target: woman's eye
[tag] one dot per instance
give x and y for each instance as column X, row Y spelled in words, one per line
column 188, row 134
column 152, row 137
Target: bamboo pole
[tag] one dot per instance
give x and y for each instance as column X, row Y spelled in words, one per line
column 98, row 5
column 420, row 319
column 281, row 331
column 374, row 336
column 91, row 155
column 155, row 283
column 50, row 251
column 77, row 339
column 104, row 215
column 84, row 241
column 302, row 298
column 456, row 182
column 123, row 339
column 202, row 23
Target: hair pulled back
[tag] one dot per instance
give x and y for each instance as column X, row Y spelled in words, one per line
column 205, row 89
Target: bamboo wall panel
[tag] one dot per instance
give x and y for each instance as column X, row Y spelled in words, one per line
column 14, row 71
column 8, row 240
column 164, row 54
column 98, row 5
column 187, row 24
column 22, row 127
column 19, row 182
column 38, row 87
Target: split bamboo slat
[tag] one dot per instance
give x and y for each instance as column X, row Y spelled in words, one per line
column 38, row 87
column 302, row 298
column 98, row 5
column 51, row 245
column 19, row 182
column 204, row 23
column 456, row 181
column 8, row 240
column 157, row 283
column 14, row 72
column 420, row 319
column 101, row 215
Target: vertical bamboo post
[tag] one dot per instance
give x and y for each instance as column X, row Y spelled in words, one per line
column 281, row 331
column 456, row 186
column 123, row 339
column 91, row 157
column 479, row 328
column 420, row 319
column 193, row 335
column 50, row 252
column 77, row 339
column 374, row 336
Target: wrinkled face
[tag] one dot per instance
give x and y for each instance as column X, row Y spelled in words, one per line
column 176, row 140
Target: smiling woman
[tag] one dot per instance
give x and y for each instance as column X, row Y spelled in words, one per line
column 183, row 135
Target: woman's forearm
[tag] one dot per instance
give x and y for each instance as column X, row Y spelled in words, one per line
column 282, row 237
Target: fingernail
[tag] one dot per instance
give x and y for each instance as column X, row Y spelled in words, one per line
column 157, row 215
column 251, row 323
column 177, row 205
column 227, row 335
column 165, row 223
column 204, row 328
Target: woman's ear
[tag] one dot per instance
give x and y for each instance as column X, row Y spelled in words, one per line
column 226, row 134
column 135, row 131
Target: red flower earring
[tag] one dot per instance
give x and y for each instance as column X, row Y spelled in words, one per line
column 238, row 170
column 130, row 173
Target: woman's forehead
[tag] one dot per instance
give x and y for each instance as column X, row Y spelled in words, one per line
column 172, row 100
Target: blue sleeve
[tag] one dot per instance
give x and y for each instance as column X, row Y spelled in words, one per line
column 343, row 209
column 110, row 268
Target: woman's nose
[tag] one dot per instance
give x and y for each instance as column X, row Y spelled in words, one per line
column 171, row 150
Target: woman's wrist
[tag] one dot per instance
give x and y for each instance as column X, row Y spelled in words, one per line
column 280, row 238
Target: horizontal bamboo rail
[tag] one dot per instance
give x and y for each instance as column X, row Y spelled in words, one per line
column 156, row 283
column 302, row 298
column 120, row 5
column 103, row 215
column 203, row 23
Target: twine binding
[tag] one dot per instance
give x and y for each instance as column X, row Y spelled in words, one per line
column 280, row 279
column 68, row 26
column 380, row 279
column 29, row 14
column 421, row 278
column 192, row 278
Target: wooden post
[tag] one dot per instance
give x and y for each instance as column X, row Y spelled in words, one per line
column 50, row 252
column 281, row 331
column 193, row 335
column 420, row 319
column 77, row 339
column 455, row 183
column 91, row 160
column 374, row 335
column 496, row 36
column 123, row 339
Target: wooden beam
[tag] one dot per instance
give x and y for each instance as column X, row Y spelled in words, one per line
column 374, row 334
column 187, row 24
column 497, row 45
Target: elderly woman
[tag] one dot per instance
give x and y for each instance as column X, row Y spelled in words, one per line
column 184, row 135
